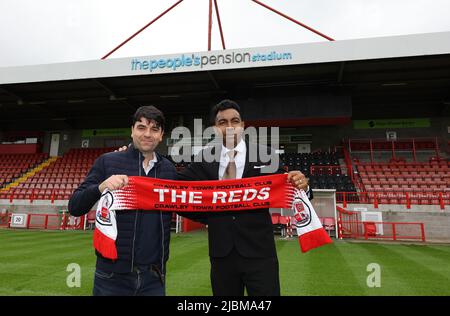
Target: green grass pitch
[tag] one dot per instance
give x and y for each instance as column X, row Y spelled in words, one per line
column 35, row 263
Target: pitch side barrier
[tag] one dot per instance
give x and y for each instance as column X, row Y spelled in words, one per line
column 350, row 225
column 61, row 221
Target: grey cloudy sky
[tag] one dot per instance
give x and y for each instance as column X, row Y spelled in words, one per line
column 50, row 31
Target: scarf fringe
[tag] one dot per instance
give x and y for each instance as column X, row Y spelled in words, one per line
column 105, row 245
column 314, row 239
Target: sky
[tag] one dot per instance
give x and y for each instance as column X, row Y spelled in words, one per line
column 54, row 31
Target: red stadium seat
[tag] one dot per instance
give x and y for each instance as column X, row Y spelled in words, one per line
column 284, row 220
column 276, row 218
column 329, row 224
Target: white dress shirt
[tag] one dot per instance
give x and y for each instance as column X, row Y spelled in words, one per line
column 150, row 164
column 239, row 159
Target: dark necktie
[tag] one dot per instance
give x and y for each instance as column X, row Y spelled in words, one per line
column 230, row 170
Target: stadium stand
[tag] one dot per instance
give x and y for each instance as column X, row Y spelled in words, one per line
column 426, row 177
column 363, row 177
column 423, row 181
column 13, row 166
column 322, row 168
column 399, row 172
column 59, row 179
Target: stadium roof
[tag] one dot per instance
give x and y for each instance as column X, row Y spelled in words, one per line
column 386, row 77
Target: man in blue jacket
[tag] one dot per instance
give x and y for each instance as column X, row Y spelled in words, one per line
column 143, row 235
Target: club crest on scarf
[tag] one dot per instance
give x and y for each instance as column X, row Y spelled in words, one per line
column 103, row 214
column 302, row 212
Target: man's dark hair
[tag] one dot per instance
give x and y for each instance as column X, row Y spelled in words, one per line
column 222, row 106
column 151, row 113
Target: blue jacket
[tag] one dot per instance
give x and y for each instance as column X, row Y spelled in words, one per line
column 143, row 236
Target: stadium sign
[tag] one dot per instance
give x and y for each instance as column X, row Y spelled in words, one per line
column 106, row 132
column 392, row 123
column 200, row 61
column 19, row 220
column 269, row 56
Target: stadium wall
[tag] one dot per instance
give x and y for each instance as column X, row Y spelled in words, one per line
column 73, row 139
column 322, row 137
column 436, row 222
column 326, row 136
column 438, row 127
column 37, row 207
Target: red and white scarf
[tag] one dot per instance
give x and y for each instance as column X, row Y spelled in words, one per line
column 144, row 193
column 310, row 231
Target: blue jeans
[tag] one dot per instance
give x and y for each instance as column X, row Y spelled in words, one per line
column 140, row 282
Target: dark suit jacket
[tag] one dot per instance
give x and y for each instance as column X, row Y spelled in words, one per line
column 250, row 232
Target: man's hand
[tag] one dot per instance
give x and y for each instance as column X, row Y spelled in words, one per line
column 123, row 148
column 298, row 180
column 114, row 183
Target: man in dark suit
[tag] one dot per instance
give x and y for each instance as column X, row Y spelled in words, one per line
column 241, row 244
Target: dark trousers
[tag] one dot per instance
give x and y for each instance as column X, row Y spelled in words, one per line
column 140, row 282
column 231, row 274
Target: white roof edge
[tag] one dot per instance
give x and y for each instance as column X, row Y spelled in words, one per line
column 304, row 53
